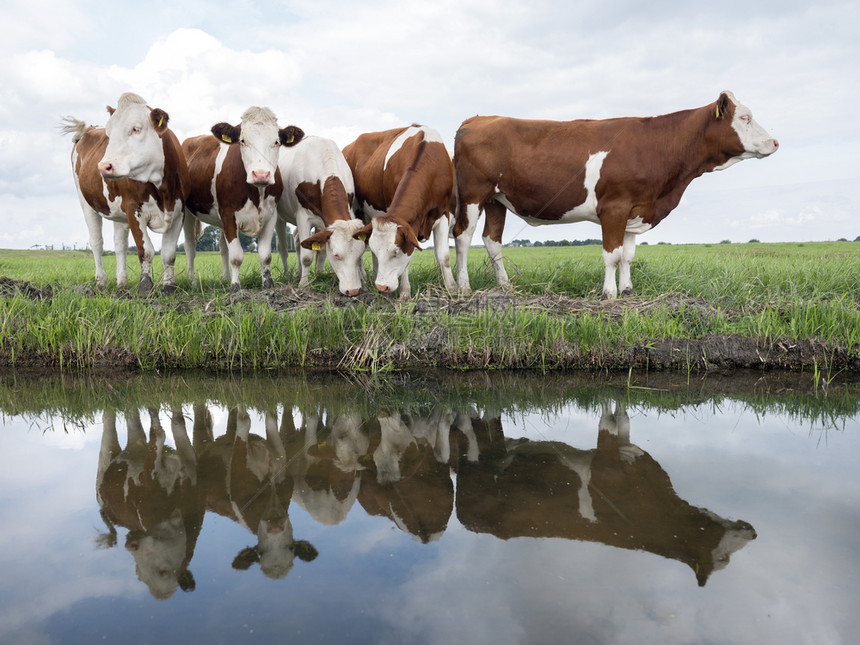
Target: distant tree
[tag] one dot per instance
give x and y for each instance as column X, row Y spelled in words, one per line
column 857, row 239
column 643, row 244
column 753, row 241
column 726, row 242
column 842, row 239
column 249, row 244
column 208, row 240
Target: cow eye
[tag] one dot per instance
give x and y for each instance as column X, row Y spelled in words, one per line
column 746, row 118
column 242, row 142
column 136, row 130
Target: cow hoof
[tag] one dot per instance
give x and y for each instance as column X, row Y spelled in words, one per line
column 268, row 283
column 626, row 292
column 169, row 289
column 235, row 288
column 145, row 286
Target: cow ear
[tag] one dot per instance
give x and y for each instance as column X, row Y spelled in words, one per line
column 363, row 233
column 186, row 581
column 159, row 120
column 110, row 110
column 723, row 105
column 317, row 241
column 409, row 239
column 226, row 132
column 246, row 558
column 305, row 550
column 290, row 135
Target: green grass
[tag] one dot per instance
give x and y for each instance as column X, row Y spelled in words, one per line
column 775, row 293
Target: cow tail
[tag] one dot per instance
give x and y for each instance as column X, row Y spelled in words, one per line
column 70, row 125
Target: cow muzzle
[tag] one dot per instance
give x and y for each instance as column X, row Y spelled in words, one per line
column 262, row 178
column 108, row 170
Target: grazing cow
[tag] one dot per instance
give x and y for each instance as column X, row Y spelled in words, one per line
column 318, row 193
column 403, row 182
column 152, row 491
column 615, row 494
column 624, row 174
column 133, row 173
column 236, row 185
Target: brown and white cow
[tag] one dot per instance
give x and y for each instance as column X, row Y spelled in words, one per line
column 153, row 491
column 133, row 173
column 403, row 184
column 236, row 185
column 625, row 174
column 318, row 194
column 616, row 495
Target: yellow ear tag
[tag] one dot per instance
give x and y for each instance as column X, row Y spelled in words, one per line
column 362, row 237
column 290, row 140
column 226, row 139
column 160, row 121
column 316, row 246
column 718, row 111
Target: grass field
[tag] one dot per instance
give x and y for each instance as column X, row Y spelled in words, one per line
column 777, row 295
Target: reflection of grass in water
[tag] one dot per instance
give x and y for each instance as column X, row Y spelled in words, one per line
column 79, row 399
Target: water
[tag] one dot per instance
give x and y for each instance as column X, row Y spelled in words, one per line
column 482, row 508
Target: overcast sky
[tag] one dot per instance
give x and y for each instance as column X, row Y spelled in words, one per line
column 339, row 68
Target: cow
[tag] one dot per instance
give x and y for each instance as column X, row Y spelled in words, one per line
column 404, row 181
column 153, row 491
column 236, row 185
column 318, row 194
column 247, row 480
column 625, row 174
column 133, row 173
column 616, row 495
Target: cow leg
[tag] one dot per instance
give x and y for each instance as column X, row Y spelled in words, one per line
column 470, row 214
column 283, row 252
column 306, row 256
column 236, row 255
column 494, row 226
column 145, row 251
column 405, row 289
column 625, row 284
column 168, row 253
column 264, row 252
column 94, row 226
column 189, row 227
column 613, row 249
column 120, row 245
column 223, row 247
column 183, row 445
column 110, row 447
column 443, row 254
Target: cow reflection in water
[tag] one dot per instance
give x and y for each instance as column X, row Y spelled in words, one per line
column 151, row 490
column 408, row 478
column 247, row 480
column 615, row 494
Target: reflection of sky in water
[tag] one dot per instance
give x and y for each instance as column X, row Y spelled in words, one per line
column 798, row 582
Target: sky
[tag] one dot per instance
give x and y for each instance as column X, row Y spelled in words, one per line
column 337, row 69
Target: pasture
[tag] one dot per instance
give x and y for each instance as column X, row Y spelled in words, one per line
column 695, row 307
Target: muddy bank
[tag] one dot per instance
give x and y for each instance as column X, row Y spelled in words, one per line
column 441, row 320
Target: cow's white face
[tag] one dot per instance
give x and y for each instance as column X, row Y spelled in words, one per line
column 259, row 144
column 392, row 261
column 754, row 138
column 134, row 149
column 276, row 547
column 344, row 255
column 158, row 556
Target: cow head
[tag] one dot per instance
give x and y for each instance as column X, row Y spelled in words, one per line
column 344, row 248
column 754, row 139
column 276, row 549
column 259, row 140
column 392, row 242
column 134, row 149
column 160, row 557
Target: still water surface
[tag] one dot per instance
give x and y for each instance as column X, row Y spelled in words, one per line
column 491, row 508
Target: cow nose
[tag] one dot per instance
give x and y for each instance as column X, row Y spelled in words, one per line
column 381, row 288
column 261, row 176
column 352, row 293
column 775, row 144
column 106, row 169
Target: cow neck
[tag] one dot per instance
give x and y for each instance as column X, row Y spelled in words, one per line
column 175, row 182
column 334, row 201
column 413, row 194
